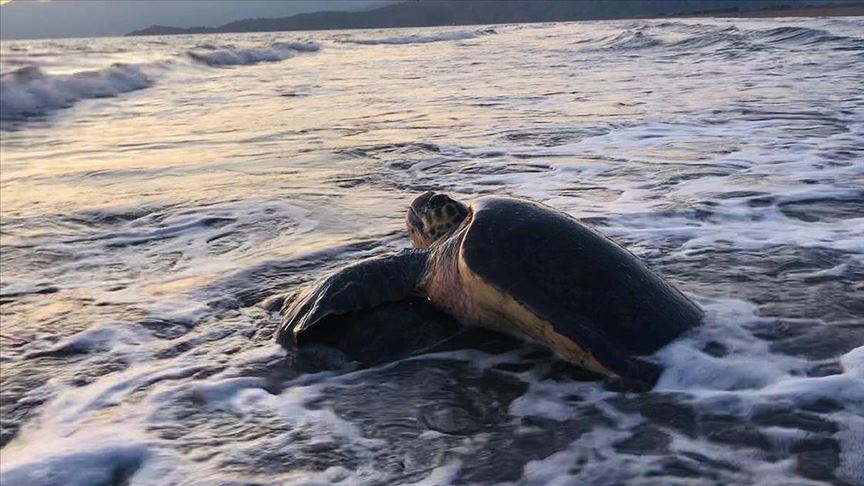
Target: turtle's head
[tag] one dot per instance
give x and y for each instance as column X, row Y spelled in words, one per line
column 431, row 217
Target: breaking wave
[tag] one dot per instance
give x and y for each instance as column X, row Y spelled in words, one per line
column 798, row 35
column 630, row 40
column 278, row 51
column 698, row 39
column 422, row 39
column 30, row 92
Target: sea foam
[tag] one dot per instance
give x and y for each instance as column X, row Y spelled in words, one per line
column 422, row 39
column 30, row 92
column 278, row 51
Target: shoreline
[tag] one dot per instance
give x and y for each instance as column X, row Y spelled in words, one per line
column 828, row 10
column 835, row 10
column 853, row 10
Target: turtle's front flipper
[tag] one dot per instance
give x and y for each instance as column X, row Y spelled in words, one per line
column 369, row 283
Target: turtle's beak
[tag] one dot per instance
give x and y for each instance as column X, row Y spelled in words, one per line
column 418, row 205
column 414, row 222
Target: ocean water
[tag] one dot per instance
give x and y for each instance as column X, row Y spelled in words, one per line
column 155, row 190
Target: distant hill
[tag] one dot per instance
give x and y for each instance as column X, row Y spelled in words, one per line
column 427, row 13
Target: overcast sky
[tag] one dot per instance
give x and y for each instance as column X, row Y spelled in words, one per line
column 84, row 18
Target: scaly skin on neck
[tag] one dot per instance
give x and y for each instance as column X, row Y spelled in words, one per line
column 443, row 283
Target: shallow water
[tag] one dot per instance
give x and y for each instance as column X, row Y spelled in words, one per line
column 149, row 206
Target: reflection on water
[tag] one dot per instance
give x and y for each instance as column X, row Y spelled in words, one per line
column 149, row 206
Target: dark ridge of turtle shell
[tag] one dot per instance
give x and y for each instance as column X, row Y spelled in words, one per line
column 574, row 277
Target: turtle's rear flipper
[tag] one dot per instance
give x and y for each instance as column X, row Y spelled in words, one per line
column 366, row 284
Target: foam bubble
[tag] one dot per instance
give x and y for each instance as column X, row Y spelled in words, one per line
column 689, row 368
column 97, row 338
column 278, row 51
column 440, row 476
column 30, row 92
column 75, row 467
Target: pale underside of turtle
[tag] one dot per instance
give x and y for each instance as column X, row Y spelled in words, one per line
column 520, row 267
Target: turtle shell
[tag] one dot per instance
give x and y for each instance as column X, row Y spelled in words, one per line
column 586, row 286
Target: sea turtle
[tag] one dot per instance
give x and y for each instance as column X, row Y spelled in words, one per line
column 517, row 266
